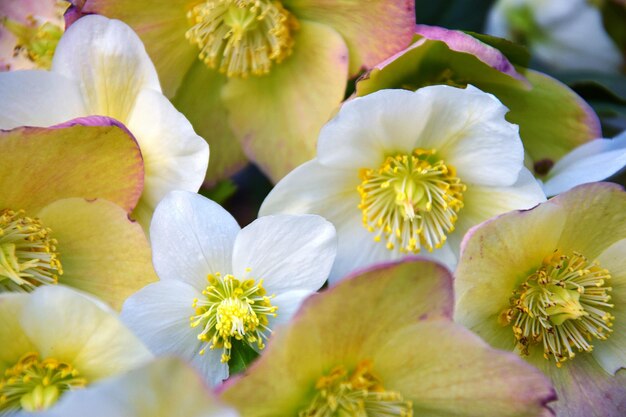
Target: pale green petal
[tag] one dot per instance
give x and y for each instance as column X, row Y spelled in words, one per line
column 70, row 327
column 596, row 218
column 341, row 326
column 496, row 257
column 15, row 342
column 447, row 371
column 43, row 165
column 101, row 250
column 161, row 25
column 611, row 354
column 164, row 388
column 300, row 93
column 373, row 30
column 207, row 113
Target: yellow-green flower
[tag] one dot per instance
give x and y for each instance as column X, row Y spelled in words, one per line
column 270, row 72
column 383, row 344
column 551, row 284
column 56, row 340
column 65, row 195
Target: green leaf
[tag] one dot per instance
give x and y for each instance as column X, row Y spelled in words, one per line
column 242, row 355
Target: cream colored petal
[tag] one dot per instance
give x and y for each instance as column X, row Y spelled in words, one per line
column 15, row 342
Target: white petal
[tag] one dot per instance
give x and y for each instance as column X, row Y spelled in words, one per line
column 590, row 162
column 109, row 61
column 38, row 98
column 288, row 304
column 72, row 327
column 159, row 315
column 367, row 129
column 175, row 158
column 288, row 252
column 191, row 237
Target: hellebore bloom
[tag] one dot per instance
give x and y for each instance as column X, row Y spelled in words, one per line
column 29, row 32
column 398, row 172
column 65, row 195
column 383, row 344
column 56, row 340
column 222, row 286
column 551, row 284
column 289, row 59
column 552, row 119
column 101, row 68
column 166, row 387
column 562, row 34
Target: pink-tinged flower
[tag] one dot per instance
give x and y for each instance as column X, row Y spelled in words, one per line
column 65, row 195
column 165, row 387
column 270, row 72
column 56, row 340
column 553, row 120
column 29, row 32
column 100, row 67
column 400, row 172
column 383, row 344
column 550, row 283
column 562, row 34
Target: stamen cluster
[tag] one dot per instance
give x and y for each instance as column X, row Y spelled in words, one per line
column 359, row 394
column 563, row 306
column 28, row 254
column 239, row 37
column 232, row 309
column 411, row 200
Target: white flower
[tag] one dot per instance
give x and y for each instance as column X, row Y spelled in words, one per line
column 221, row 284
column 564, row 34
column 398, row 172
column 101, row 68
column 590, row 162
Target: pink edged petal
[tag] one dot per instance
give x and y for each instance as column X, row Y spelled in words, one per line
column 287, row 252
column 33, row 98
column 288, row 304
column 301, row 92
column 447, row 371
column 161, row 26
column 595, row 218
column 496, row 257
column 43, row 165
column 108, row 61
column 373, row 30
column 335, row 328
column 611, row 354
column 159, row 315
column 101, row 250
column 209, row 117
column 164, row 387
column 191, row 237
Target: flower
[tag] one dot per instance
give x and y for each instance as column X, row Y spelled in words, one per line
column 563, row 34
column 163, row 387
column 551, row 284
column 553, row 119
column 401, row 172
column 29, row 32
column 382, row 343
column 223, row 287
column 303, row 52
column 101, row 68
column 65, row 195
column 56, row 340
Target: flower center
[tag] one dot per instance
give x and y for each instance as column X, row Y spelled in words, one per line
column 28, row 256
column 239, row 37
column 232, row 309
column 357, row 394
column 563, row 306
column 33, row 385
column 411, row 200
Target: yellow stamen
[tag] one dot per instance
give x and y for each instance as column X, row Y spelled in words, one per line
column 241, row 37
column 412, row 200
